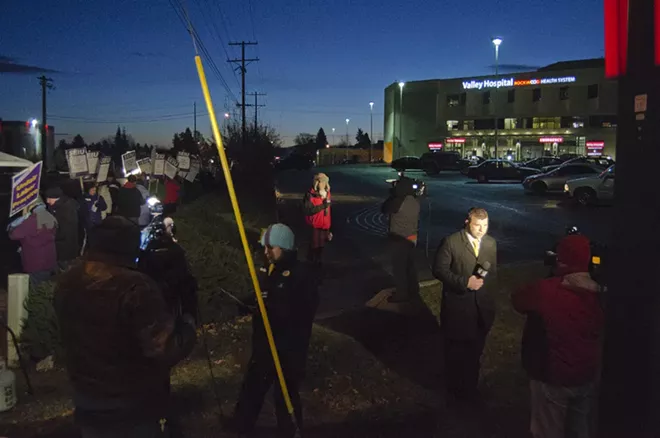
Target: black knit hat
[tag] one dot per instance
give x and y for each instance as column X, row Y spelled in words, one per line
column 116, row 236
column 54, row 193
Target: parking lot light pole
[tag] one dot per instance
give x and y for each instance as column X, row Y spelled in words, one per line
column 371, row 135
column 401, row 85
column 496, row 43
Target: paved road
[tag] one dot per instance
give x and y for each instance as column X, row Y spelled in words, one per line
column 524, row 226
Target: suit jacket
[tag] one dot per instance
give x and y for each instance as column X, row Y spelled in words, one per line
column 465, row 314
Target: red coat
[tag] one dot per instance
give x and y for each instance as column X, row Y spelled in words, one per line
column 562, row 337
column 315, row 214
column 172, row 189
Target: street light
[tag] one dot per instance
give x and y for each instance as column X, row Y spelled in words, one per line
column 401, row 85
column 371, row 136
column 496, row 42
column 333, row 137
column 347, row 142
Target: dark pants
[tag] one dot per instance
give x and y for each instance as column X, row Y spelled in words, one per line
column 404, row 269
column 259, row 378
column 314, row 256
column 462, row 364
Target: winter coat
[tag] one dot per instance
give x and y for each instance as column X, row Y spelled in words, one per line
column 113, row 189
column 317, row 210
column 290, row 293
column 562, row 336
column 403, row 209
column 65, row 211
column 172, row 191
column 37, row 237
column 93, row 206
column 120, row 341
column 145, row 214
column 129, row 201
column 465, row 313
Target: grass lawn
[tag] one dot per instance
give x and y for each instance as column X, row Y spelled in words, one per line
column 370, row 373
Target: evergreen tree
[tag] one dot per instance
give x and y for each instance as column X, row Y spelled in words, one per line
column 321, row 139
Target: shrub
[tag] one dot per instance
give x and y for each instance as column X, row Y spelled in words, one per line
column 40, row 332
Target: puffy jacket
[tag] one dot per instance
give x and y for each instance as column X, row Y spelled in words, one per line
column 37, row 237
column 562, row 336
column 403, row 210
column 120, row 340
column 65, row 211
column 316, row 213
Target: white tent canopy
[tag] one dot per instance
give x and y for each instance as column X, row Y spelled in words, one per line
column 7, row 160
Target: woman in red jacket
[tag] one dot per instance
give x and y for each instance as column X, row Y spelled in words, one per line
column 316, row 206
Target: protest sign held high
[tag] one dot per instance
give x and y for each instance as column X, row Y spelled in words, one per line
column 92, row 162
column 183, row 158
column 129, row 161
column 25, row 189
column 104, row 167
column 77, row 160
column 171, row 167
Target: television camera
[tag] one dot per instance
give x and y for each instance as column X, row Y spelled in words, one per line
column 418, row 186
column 598, row 252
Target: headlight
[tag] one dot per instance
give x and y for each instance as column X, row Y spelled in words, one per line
column 153, row 201
column 566, row 189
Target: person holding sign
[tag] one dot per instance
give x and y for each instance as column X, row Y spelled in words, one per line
column 36, row 233
column 93, row 207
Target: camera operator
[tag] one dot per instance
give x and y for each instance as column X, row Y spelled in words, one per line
column 562, row 341
column 403, row 209
column 165, row 261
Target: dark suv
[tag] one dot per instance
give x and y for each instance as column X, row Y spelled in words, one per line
column 434, row 162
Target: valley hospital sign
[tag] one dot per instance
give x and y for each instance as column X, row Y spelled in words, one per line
column 511, row 82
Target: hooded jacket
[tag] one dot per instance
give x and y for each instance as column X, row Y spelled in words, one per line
column 37, row 237
column 561, row 340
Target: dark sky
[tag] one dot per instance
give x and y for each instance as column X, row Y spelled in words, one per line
column 130, row 62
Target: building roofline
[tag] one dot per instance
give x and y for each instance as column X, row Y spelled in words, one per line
column 579, row 64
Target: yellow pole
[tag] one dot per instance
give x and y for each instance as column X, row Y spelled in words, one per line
column 241, row 231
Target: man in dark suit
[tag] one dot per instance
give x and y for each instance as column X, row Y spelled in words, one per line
column 468, row 309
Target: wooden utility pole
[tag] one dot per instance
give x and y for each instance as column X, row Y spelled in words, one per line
column 46, row 84
column 242, row 64
column 256, row 109
column 195, row 121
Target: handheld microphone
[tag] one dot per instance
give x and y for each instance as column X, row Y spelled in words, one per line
column 481, row 271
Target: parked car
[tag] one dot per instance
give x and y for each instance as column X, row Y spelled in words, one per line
column 555, row 180
column 435, row 162
column 295, row 161
column 541, row 162
column 592, row 190
column 602, row 162
column 472, row 161
column 407, row 163
column 493, row 170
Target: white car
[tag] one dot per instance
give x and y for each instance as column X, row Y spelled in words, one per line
column 592, row 190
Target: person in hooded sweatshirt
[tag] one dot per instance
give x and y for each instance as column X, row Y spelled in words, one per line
column 130, row 201
column 561, row 345
column 316, row 207
column 36, row 234
column 402, row 208
column 65, row 211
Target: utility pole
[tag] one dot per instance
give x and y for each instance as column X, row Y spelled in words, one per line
column 256, row 108
column 195, row 121
column 242, row 63
column 46, row 83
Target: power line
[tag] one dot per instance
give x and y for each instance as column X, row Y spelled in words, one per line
column 180, row 13
column 166, row 118
column 242, row 64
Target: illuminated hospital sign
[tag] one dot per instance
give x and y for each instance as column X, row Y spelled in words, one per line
column 511, row 82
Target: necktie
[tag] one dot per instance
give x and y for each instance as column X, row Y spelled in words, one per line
column 475, row 244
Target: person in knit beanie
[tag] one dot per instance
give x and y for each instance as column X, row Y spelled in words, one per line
column 561, row 346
